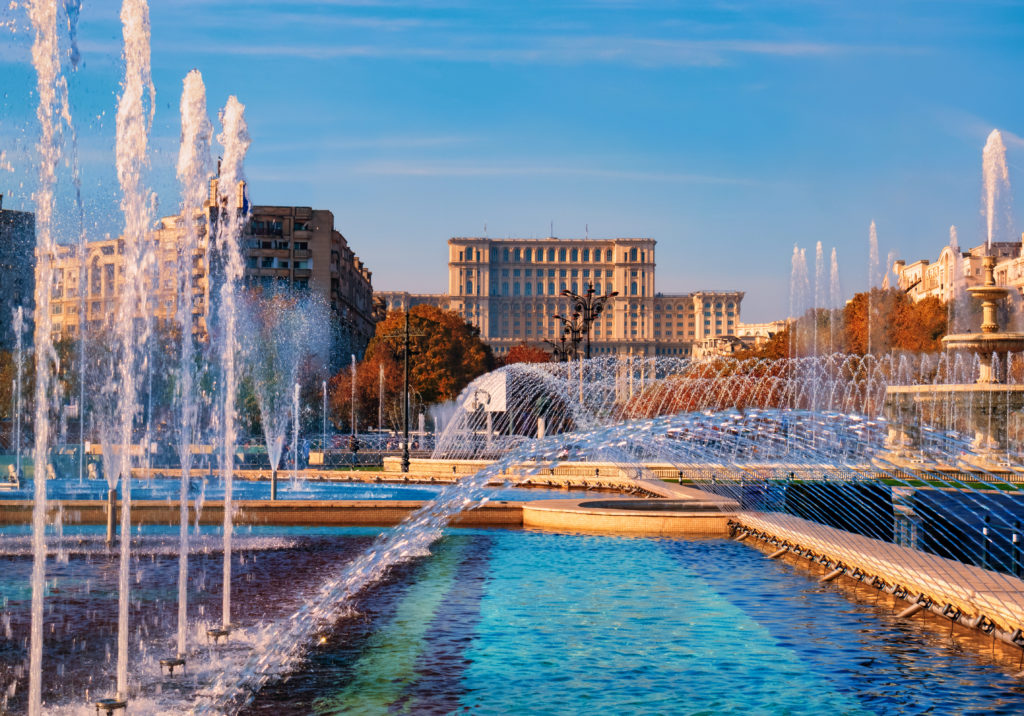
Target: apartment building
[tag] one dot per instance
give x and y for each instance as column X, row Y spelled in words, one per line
column 284, row 247
column 954, row 270
column 17, row 267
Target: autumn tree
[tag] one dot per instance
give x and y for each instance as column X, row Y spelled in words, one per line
column 446, row 354
column 525, row 353
column 888, row 319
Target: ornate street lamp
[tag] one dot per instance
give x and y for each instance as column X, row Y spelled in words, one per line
column 572, row 331
column 561, row 349
column 588, row 307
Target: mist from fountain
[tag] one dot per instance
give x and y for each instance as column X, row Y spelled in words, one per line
column 288, row 333
column 295, row 432
column 819, row 291
column 872, row 278
column 799, row 288
column 835, row 300
column 995, row 185
column 18, row 323
column 45, row 59
column 231, row 217
column 193, row 169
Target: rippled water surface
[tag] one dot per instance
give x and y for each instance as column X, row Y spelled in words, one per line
column 497, row 621
column 287, row 489
column 514, row 622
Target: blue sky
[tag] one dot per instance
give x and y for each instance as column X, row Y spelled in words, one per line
column 728, row 131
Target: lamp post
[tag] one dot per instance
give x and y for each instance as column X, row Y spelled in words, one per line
column 561, row 349
column 572, row 331
column 588, row 308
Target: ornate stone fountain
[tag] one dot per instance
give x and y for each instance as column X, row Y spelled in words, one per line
column 985, row 404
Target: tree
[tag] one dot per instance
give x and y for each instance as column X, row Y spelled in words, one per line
column 445, row 358
column 525, row 353
column 894, row 322
column 447, row 354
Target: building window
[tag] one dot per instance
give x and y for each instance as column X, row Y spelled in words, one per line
column 528, row 288
column 632, row 288
column 469, row 289
column 632, row 254
column 575, row 255
column 527, row 255
column 551, row 254
column 561, row 254
column 504, row 288
column 586, row 254
column 504, row 254
column 515, row 288
column 551, row 288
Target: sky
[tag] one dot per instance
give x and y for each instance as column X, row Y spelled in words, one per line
column 728, row 131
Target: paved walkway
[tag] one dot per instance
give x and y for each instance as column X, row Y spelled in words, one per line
column 972, row 589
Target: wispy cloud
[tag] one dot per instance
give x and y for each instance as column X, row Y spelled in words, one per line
column 401, row 141
column 966, row 124
column 654, row 52
column 457, row 169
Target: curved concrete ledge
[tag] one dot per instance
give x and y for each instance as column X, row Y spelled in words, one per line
column 307, row 513
column 637, row 517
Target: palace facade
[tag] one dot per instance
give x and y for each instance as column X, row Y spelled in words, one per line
column 510, row 289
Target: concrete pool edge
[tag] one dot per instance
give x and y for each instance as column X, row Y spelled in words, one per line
column 983, row 600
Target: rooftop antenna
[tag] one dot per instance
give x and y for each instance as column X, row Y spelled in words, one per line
column 485, row 229
column 587, row 229
column 552, row 234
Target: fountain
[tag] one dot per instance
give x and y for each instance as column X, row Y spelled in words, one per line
column 286, row 327
column 986, row 404
column 19, row 328
column 793, row 445
column 193, row 168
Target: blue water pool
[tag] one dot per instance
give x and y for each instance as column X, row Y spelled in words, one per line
column 498, row 621
column 287, row 489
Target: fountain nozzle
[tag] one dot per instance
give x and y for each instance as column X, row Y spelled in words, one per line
column 171, row 663
column 109, row 706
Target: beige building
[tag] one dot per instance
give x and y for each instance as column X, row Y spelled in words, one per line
column 755, row 335
column 940, row 279
column 298, row 247
column 510, row 290
column 283, row 247
column 100, row 277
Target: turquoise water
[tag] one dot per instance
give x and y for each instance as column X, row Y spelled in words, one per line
column 518, row 622
column 213, row 489
column 498, row 621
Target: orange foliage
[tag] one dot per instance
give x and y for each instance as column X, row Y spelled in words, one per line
column 896, row 322
column 525, row 353
column 715, row 385
column 446, row 354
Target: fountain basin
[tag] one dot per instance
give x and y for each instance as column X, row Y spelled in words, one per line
column 659, row 517
column 985, row 343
